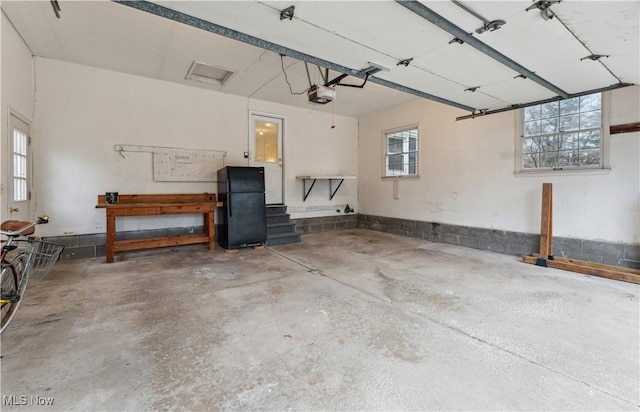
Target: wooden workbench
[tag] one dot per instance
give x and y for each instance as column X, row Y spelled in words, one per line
column 152, row 205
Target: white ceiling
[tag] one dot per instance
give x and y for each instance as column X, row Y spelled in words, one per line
column 347, row 34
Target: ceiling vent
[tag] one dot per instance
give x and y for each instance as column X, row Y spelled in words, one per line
column 208, row 74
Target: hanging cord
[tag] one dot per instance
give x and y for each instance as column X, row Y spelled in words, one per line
column 286, row 79
column 333, row 123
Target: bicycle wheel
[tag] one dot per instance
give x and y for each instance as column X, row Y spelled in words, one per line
column 15, row 276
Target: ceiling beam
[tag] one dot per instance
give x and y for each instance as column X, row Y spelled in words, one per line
column 552, row 99
column 436, row 19
column 179, row 17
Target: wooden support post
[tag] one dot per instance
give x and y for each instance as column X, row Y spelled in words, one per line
column 545, row 257
column 546, row 223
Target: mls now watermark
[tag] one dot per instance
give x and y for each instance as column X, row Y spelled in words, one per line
column 27, row 400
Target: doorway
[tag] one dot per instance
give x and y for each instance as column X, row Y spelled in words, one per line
column 19, row 161
column 265, row 150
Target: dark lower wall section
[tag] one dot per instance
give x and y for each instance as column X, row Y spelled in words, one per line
column 502, row 241
column 86, row 246
column 323, row 224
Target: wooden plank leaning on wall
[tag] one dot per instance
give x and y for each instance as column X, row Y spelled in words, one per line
column 547, row 259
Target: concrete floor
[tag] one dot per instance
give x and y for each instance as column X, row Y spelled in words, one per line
column 345, row 320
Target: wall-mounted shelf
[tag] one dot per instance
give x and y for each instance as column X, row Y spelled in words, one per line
column 313, row 179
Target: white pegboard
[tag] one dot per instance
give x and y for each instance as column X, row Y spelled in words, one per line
column 180, row 165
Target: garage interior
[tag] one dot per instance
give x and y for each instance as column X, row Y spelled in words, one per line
column 388, row 322
column 394, row 275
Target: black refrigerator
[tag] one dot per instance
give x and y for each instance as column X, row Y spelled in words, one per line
column 242, row 218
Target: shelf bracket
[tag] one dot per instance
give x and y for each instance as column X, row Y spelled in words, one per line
column 305, row 192
column 335, row 182
column 332, row 192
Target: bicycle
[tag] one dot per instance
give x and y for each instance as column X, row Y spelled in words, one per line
column 19, row 259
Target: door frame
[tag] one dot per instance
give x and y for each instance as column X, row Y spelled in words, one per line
column 250, row 145
column 8, row 172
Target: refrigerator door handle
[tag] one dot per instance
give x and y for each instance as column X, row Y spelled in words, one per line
column 229, row 204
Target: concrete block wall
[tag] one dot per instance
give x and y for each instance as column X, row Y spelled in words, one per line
column 499, row 241
column 93, row 245
column 326, row 223
column 506, row 242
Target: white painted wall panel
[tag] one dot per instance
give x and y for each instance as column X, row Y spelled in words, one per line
column 82, row 112
column 512, row 91
column 467, row 176
column 550, row 51
column 608, row 29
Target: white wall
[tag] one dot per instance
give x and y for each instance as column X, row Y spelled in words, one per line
column 82, row 112
column 17, row 95
column 467, row 175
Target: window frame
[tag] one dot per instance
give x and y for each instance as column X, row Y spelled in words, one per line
column 604, row 145
column 386, row 154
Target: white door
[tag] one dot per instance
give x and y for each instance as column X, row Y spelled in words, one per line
column 19, row 193
column 265, row 149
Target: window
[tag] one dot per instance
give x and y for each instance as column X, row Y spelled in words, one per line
column 19, row 166
column 266, row 141
column 401, row 152
column 563, row 135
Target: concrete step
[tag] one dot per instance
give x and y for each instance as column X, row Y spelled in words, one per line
column 282, row 239
column 277, row 218
column 280, row 229
column 276, row 209
column 277, row 228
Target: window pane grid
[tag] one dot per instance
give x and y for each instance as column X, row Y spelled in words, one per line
column 19, row 190
column 19, row 166
column 562, row 150
column 401, row 157
column 562, row 134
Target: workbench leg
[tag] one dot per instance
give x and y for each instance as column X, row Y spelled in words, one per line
column 111, row 236
column 210, row 229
